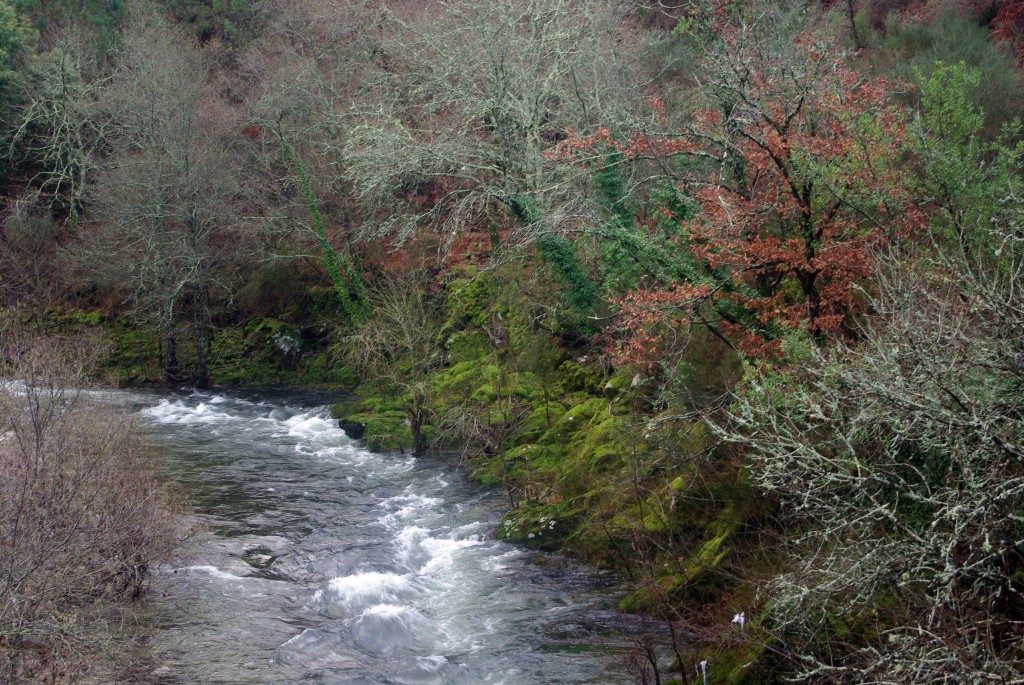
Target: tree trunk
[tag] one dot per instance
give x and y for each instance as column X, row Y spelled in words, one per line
column 416, row 421
column 172, row 373
column 853, row 24
column 198, row 308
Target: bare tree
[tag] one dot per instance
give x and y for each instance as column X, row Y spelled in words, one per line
column 28, row 256
column 900, row 465
column 304, row 73
column 60, row 129
column 466, row 101
column 399, row 346
column 165, row 192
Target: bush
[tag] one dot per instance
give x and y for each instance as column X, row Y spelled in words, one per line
column 899, row 462
column 910, row 51
column 82, row 514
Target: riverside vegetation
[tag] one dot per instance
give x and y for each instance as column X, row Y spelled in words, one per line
column 723, row 296
column 83, row 515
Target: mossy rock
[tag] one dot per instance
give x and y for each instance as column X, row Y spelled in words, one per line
column 383, row 432
column 271, row 352
column 484, row 394
column 470, row 300
column 605, row 442
column 468, row 346
column 573, row 421
column 540, row 525
column 541, row 419
column 134, row 354
column 545, row 457
column 581, row 377
column 458, row 382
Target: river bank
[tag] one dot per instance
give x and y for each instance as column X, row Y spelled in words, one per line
column 325, row 560
column 587, row 462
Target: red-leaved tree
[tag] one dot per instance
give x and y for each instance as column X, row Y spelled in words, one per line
column 793, row 160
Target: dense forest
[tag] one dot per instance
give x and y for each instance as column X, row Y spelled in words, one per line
column 724, row 296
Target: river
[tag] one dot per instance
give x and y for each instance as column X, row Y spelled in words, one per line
column 324, row 563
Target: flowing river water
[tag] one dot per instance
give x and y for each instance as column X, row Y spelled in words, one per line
column 325, row 563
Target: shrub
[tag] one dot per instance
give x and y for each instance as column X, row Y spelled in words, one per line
column 82, row 514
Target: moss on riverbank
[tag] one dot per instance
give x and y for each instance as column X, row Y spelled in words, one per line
column 261, row 351
column 589, row 461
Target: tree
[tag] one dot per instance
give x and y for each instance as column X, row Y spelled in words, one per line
column 899, row 462
column 82, row 514
column 465, row 101
column 28, row 257
column 399, row 346
column 309, row 66
column 58, row 130
column 792, row 160
column 16, row 37
column 162, row 201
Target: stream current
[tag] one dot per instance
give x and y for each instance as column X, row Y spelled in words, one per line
column 325, row 563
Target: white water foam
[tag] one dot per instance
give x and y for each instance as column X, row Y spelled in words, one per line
column 310, row 426
column 181, row 413
column 363, row 588
column 408, row 539
column 500, row 563
column 407, row 506
column 442, row 552
column 386, row 610
column 211, row 571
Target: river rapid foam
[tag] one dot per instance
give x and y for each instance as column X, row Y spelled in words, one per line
column 325, row 563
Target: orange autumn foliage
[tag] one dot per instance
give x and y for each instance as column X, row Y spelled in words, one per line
column 795, row 164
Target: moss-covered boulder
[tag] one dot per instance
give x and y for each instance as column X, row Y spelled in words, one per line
column 380, row 423
column 385, row 431
column 541, row 525
column 467, row 346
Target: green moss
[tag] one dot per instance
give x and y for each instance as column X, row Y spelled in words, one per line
column 606, row 441
column 458, row 382
column 542, row 525
column 647, row 599
column 134, row 355
column 470, row 300
column 467, row 346
column 698, row 575
column 385, row 431
column 574, row 420
column 540, row 420
column 484, row 394
column 579, row 377
column 320, row 369
column 272, row 352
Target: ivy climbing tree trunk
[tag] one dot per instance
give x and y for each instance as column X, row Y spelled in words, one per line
column 351, row 294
